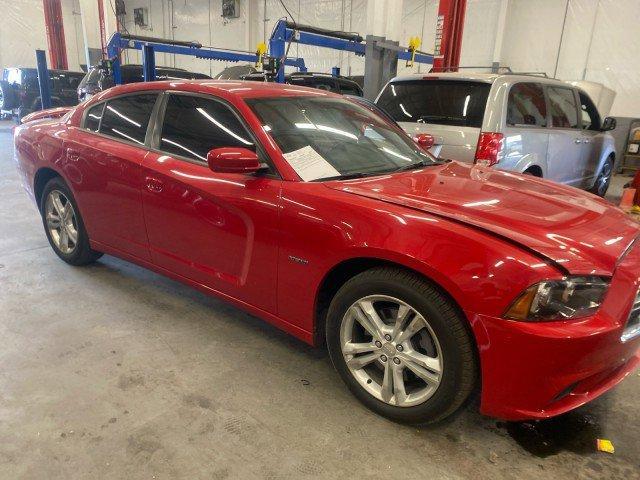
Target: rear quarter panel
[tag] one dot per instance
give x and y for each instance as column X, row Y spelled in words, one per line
column 38, row 146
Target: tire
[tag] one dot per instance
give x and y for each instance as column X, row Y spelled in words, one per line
column 8, row 97
column 55, row 201
column 441, row 333
column 601, row 185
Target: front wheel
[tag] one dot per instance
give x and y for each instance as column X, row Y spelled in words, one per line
column 401, row 346
column 63, row 224
column 601, row 184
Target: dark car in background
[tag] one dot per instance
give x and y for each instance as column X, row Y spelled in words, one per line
column 20, row 90
column 322, row 81
column 235, row 72
column 100, row 78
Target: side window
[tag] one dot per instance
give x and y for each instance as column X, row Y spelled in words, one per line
column 194, row 125
column 92, row 120
column 526, row 105
column 127, row 118
column 564, row 111
column 589, row 113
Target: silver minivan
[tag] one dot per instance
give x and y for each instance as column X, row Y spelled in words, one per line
column 523, row 123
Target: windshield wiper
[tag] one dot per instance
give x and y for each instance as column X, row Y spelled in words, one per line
column 413, row 166
column 346, row 176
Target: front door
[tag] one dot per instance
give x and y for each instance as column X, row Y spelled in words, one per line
column 592, row 139
column 217, row 229
column 564, row 156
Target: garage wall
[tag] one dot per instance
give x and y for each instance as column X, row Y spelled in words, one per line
column 597, row 41
column 198, row 20
column 22, row 32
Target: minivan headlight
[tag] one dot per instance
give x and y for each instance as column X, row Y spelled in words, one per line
column 570, row 297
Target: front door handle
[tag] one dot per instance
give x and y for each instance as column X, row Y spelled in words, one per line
column 577, row 140
column 153, row 185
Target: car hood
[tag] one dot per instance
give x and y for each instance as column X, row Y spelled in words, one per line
column 580, row 232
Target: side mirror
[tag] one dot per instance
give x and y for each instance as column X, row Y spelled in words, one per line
column 609, row 124
column 233, row 160
column 425, row 140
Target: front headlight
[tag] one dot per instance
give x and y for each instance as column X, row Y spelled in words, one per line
column 571, row 297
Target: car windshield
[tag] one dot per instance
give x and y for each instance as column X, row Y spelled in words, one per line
column 92, row 77
column 444, row 102
column 340, row 138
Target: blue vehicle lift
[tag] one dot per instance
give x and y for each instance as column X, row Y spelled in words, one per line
column 43, row 79
column 381, row 55
column 150, row 46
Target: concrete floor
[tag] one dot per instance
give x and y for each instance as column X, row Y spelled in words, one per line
column 111, row 371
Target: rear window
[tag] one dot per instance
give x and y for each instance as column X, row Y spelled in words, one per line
column 92, row 77
column 445, row 102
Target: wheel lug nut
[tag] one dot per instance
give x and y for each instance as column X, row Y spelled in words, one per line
column 378, row 344
column 387, row 338
column 383, row 358
column 396, row 360
column 399, row 348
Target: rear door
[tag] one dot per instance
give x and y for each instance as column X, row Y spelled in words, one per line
column 526, row 137
column 104, row 162
column 450, row 110
column 217, row 229
column 564, row 157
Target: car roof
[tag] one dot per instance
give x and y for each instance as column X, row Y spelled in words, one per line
column 477, row 77
column 237, row 88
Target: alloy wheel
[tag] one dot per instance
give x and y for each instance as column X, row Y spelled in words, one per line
column 61, row 222
column 604, row 178
column 391, row 350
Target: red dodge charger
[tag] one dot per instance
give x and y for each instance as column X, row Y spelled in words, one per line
column 426, row 279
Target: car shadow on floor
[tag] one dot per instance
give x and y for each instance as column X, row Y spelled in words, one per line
column 575, row 431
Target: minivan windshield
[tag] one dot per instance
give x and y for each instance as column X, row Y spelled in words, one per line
column 351, row 139
column 433, row 100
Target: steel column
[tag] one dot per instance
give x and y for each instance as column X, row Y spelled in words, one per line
column 103, row 30
column 449, row 35
column 54, row 27
column 43, row 79
column 148, row 63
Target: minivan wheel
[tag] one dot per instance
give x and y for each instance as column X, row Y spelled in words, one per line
column 601, row 184
column 63, row 224
column 403, row 349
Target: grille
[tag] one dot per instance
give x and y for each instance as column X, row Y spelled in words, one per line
column 632, row 329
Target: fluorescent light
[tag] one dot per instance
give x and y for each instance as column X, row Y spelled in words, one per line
column 221, row 126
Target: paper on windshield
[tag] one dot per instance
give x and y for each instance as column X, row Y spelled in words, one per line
column 309, row 164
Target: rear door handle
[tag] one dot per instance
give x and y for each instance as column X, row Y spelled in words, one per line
column 577, row 140
column 153, row 184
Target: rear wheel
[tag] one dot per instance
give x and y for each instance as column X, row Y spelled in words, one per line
column 401, row 346
column 63, row 224
column 601, row 184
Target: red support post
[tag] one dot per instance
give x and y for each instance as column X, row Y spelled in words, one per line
column 103, row 30
column 55, row 34
column 449, row 30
